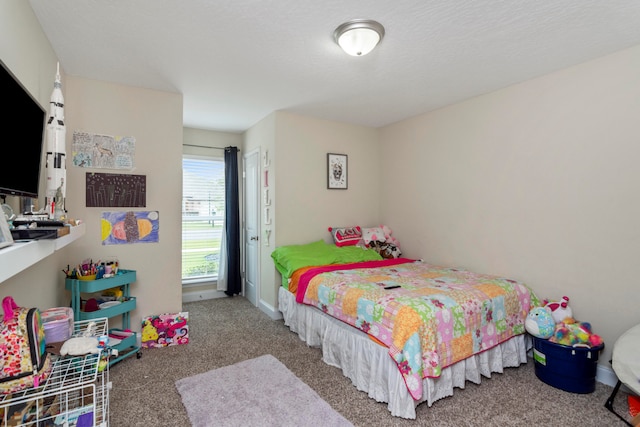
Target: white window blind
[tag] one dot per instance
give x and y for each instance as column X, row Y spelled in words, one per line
column 202, row 217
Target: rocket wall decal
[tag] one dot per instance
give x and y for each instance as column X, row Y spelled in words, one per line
column 56, row 168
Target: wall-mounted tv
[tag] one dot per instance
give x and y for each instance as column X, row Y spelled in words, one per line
column 23, row 125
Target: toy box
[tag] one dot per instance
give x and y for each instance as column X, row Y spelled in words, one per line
column 571, row 369
column 163, row 330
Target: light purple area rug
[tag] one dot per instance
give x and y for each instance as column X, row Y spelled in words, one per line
column 255, row 392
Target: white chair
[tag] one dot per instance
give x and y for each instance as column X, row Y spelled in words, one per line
column 626, row 364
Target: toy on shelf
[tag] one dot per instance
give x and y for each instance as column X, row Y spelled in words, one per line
column 560, row 310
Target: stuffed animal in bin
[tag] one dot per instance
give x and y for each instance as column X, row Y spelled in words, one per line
column 572, row 333
column 540, row 323
column 560, row 310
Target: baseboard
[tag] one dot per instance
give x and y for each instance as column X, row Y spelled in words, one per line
column 269, row 310
column 202, row 295
column 605, row 375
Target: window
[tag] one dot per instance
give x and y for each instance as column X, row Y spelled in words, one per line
column 202, row 217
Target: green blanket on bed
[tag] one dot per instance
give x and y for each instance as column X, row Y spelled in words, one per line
column 288, row 259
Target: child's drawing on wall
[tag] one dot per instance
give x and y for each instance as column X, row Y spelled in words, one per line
column 130, row 227
column 102, row 151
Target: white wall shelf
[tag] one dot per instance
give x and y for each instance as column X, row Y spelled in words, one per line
column 22, row 255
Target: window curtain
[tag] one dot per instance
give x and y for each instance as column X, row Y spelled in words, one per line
column 229, row 277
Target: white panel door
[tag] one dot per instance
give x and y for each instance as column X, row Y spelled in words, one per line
column 252, row 226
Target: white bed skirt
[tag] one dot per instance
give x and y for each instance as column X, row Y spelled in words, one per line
column 372, row 370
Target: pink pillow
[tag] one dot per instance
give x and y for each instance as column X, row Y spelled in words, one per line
column 346, row 236
column 388, row 237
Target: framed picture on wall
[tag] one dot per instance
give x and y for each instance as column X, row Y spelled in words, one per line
column 5, row 234
column 337, row 171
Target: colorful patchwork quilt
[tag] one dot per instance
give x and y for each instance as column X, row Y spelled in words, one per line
column 429, row 317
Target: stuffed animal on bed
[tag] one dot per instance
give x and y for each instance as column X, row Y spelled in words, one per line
column 380, row 240
column 388, row 237
column 386, row 250
column 540, row 323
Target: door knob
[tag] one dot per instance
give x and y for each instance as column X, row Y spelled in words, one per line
column 254, row 238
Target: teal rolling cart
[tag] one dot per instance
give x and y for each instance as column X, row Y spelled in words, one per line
column 128, row 345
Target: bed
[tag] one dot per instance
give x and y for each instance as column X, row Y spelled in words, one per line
column 404, row 331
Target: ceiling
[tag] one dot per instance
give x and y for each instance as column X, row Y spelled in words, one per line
column 236, row 61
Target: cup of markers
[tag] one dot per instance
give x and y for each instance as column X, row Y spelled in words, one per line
column 88, row 270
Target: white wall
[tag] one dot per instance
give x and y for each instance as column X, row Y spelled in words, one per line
column 306, row 208
column 195, row 139
column 26, row 50
column 303, row 207
column 538, row 182
column 27, row 53
column 154, row 118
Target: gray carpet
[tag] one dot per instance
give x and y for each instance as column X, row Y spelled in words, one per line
column 230, row 330
column 255, row 393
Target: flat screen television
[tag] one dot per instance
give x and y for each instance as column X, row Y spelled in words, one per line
column 23, row 126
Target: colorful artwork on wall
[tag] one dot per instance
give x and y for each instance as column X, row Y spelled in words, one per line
column 120, row 228
column 112, row 190
column 103, row 151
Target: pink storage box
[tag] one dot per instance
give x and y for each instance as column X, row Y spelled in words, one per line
column 58, row 324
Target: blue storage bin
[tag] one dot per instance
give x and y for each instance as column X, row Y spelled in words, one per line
column 571, row 369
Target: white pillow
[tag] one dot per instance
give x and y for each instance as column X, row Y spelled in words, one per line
column 373, row 234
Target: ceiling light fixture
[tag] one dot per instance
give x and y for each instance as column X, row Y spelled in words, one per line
column 359, row 36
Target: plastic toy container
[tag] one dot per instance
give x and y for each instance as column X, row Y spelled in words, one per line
column 58, row 324
column 571, row 369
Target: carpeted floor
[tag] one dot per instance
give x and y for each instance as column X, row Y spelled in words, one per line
column 230, row 330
